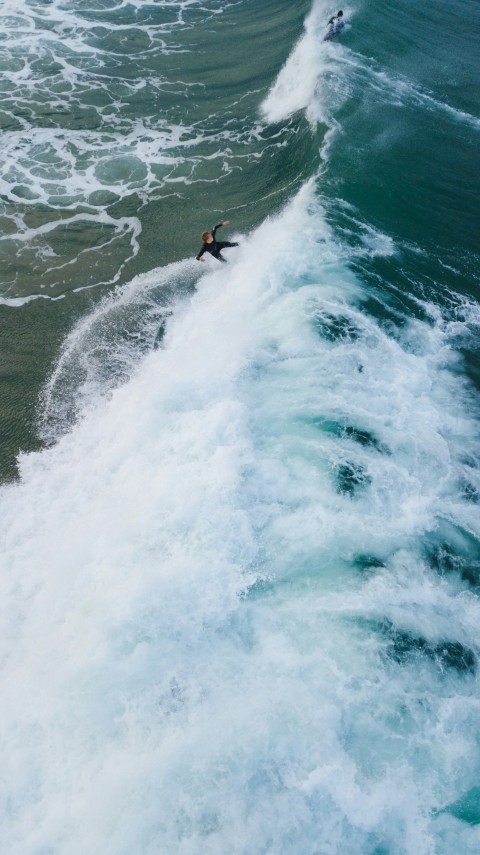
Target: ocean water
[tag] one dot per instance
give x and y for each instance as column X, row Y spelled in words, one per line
column 240, row 528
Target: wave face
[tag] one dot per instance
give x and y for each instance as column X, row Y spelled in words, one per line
column 240, row 579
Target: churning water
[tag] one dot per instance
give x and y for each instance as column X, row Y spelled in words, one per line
column 240, row 577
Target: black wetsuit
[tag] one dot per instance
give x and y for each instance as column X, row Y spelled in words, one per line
column 334, row 25
column 215, row 246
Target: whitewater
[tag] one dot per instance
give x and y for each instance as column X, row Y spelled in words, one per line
column 239, row 582
column 212, row 639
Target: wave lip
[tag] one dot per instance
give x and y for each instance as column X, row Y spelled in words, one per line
column 181, row 587
column 296, row 85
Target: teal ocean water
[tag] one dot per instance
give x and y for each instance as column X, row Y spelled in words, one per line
column 240, row 528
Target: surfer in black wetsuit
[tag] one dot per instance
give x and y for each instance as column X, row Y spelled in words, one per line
column 334, row 25
column 214, row 246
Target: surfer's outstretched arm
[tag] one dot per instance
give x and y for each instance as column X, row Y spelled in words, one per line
column 210, row 244
column 223, row 223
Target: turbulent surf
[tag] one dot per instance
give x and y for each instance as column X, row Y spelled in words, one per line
column 240, row 533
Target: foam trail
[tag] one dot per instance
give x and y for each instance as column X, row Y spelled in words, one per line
column 296, row 86
column 104, row 348
column 317, row 77
column 405, row 92
column 191, row 659
column 89, row 125
column 15, row 302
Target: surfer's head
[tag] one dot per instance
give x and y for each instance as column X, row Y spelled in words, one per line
column 206, row 236
column 340, row 14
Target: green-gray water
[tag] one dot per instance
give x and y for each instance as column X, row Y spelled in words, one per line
column 240, row 526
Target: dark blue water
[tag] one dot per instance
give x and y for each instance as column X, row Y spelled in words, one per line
column 240, row 529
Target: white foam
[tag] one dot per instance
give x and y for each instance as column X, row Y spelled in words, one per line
column 16, row 302
column 317, row 77
column 96, row 357
column 152, row 700
column 75, row 148
column 308, row 80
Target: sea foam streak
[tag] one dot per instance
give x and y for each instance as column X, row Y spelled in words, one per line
column 296, row 85
column 318, row 76
column 193, row 660
column 92, row 119
column 104, row 348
